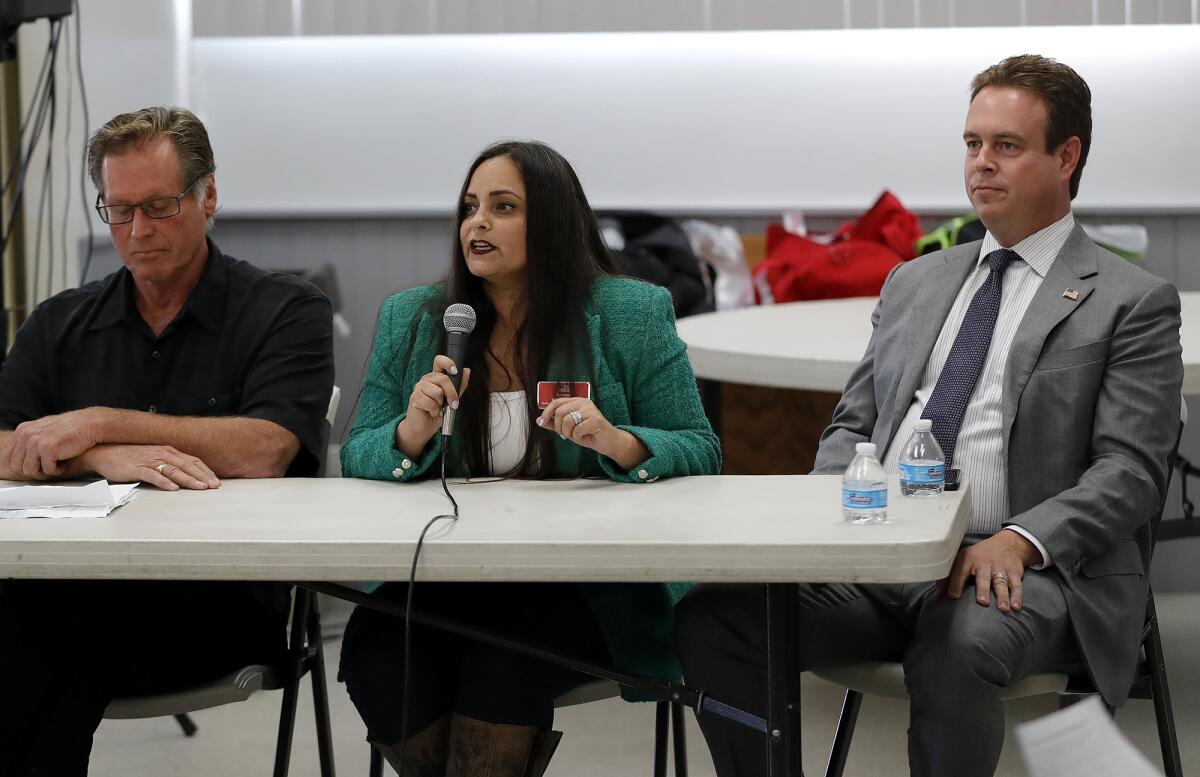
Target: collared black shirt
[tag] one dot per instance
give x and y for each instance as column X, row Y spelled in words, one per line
column 246, row 343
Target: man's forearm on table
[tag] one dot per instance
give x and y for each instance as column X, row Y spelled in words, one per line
column 230, row 446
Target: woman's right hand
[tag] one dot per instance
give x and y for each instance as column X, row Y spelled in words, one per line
column 432, row 392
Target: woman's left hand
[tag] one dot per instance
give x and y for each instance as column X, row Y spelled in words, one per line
column 580, row 421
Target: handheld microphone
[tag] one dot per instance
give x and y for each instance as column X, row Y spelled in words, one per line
column 459, row 321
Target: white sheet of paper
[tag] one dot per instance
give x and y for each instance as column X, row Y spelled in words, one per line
column 1080, row 741
column 94, row 500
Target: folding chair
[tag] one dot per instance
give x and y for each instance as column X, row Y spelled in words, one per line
column 886, row 678
column 305, row 654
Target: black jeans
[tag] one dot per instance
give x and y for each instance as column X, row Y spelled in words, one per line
column 68, row 647
column 456, row 674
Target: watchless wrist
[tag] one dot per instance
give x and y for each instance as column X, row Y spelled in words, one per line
column 99, row 422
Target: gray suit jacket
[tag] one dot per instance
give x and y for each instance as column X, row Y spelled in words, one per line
column 1090, row 416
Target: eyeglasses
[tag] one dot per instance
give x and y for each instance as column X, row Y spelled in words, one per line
column 160, row 208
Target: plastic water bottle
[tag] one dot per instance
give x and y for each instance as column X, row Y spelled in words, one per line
column 864, row 487
column 922, row 465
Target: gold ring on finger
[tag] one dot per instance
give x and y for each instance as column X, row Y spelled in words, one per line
column 160, row 469
column 1000, row 577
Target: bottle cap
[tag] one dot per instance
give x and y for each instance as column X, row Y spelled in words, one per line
column 923, row 425
column 865, row 447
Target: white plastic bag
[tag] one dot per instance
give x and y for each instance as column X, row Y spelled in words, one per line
column 720, row 247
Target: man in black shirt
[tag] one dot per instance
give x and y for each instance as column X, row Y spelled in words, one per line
column 182, row 368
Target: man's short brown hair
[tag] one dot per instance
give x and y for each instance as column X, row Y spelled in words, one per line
column 139, row 128
column 1066, row 95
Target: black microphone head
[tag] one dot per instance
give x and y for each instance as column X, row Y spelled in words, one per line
column 459, row 318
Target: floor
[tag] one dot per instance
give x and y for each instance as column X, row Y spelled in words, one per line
column 612, row 737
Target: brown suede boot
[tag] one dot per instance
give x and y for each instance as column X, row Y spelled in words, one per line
column 424, row 753
column 481, row 749
column 544, row 745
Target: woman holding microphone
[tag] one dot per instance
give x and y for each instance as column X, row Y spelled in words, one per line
column 529, row 259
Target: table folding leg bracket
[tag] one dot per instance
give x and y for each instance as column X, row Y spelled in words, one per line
column 656, row 688
column 652, row 687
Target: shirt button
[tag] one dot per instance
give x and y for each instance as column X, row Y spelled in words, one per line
column 212, row 401
column 154, row 354
column 153, row 409
column 397, row 473
column 407, row 464
column 643, row 474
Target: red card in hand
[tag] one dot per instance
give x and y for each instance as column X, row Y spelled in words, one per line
column 550, row 390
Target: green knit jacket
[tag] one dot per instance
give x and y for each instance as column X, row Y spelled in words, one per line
column 642, row 382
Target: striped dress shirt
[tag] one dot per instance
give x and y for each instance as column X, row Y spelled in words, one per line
column 981, row 455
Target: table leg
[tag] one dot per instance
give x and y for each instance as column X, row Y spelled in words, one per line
column 783, row 681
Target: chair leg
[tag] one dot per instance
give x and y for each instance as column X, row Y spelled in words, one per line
column 316, row 668
column 186, row 723
column 845, row 731
column 662, row 723
column 680, row 734
column 1168, row 740
column 376, row 768
column 291, row 689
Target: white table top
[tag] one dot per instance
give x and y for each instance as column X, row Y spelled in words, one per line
column 720, row 528
column 816, row 345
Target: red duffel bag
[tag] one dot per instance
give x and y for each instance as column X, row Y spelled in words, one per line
column 854, row 263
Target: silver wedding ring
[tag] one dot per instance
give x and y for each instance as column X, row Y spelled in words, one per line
column 577, row 417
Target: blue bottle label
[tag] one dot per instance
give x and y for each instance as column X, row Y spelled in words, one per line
column 917, row 473
column 864, row 500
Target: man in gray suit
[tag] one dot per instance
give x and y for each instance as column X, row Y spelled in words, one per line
column 1051, row 371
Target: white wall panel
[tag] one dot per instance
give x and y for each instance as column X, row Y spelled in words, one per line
column 697, row 122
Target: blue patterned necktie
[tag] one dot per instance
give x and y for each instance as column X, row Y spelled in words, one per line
column 948, row 402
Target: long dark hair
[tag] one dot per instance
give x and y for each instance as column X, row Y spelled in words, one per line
column 565, row 254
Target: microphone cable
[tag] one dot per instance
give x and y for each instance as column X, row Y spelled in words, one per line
column 412, row 583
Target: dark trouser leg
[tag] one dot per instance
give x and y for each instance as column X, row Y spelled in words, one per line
column 720, row 633
column 68, row 647
column 501, row 686
column 372, row 666
column 449, row 673
column 961, row 658
column 46, row 658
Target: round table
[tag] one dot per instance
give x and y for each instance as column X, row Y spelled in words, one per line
column 816, row 345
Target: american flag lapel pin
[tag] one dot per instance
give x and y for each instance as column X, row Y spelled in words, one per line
column 1071, row 294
